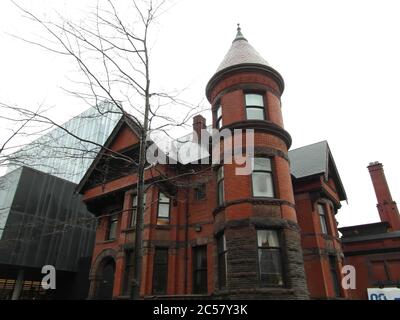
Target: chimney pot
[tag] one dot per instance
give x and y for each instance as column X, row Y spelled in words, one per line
column 387, row 208
column 374, row 163
column 199, row 123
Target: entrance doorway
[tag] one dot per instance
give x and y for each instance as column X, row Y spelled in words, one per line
column 106, row 279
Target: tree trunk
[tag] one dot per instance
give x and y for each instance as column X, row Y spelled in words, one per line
column 140, row 198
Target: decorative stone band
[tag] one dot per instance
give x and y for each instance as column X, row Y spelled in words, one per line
column 172, row 226
column 244, row 87
column 262, row 126
column 177, row 245
column 393, row 250
column 260, row 151
column 245, row 67
column 257, row 201
column 274, row 293
column 318, row 252
column 257, row 222
column 326, row 237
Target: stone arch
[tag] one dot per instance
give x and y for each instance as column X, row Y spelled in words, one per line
column 101, row 273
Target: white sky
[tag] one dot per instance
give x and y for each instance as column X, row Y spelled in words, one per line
column 340, row 61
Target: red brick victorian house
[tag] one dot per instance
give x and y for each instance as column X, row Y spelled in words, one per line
column 374, row 249
column 268, row 235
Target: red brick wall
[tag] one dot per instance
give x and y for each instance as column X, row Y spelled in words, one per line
column 316, row 246
column 125, row 139
column 371, row 271
column 233, row 100
column 255, row 79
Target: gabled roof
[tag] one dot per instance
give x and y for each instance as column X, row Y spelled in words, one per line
column 125, row 120
column 315, row 159
column 309, row 160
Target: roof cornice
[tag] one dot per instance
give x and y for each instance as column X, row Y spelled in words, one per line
column 244, row 67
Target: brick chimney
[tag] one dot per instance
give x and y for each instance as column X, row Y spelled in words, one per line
column 387, row 208
column 199, row 123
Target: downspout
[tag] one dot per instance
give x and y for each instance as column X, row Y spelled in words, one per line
column 186, row 240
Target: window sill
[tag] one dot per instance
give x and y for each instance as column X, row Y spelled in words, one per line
column 106, row 241
column 130, row 229
column 263, row 197
column 162, row 227
column 199, row 200
column 329, row 237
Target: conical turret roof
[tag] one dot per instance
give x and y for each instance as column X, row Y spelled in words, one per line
column 242, row 56
column 241, row 52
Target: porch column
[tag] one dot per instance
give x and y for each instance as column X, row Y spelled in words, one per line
column 19, row 283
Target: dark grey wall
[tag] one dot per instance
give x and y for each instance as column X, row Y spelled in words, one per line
column 47, row 224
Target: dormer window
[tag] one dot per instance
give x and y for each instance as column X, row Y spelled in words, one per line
column 254, row 106
column 218, row 122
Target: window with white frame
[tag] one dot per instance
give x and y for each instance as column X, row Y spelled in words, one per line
column 322, row 218
column 254, row 106
column 112, row 227
column 163, row 208
column 269, row 258
column 134, row 209
column 218, row 112
column 262, row 178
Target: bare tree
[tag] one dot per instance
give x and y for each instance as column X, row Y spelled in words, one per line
column 15, row 123
column 112, row 52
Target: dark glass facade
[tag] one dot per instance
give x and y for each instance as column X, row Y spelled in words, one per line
column 47, row 223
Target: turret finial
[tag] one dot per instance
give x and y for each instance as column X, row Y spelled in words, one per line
column 239, row 35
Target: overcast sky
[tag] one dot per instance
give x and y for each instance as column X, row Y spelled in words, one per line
column 340, row 61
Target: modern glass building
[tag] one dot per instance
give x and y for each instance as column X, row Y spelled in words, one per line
column 42, row 220
column 67, row 152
